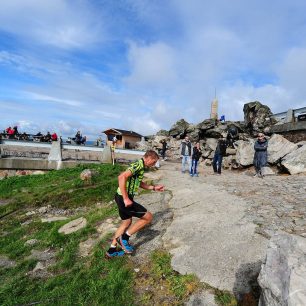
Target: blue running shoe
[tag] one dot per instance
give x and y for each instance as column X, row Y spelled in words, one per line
column 114, row 254
column 127, row 248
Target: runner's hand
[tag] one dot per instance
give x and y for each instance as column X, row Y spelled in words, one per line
column 128, row 202
column 159, row 188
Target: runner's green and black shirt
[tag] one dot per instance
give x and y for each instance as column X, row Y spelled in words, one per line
column 133, row 183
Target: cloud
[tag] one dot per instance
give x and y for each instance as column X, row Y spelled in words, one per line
column 151, row 65
column 60, row 23
column 143, row 65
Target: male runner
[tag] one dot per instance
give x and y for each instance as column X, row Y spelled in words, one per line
column 129, row 182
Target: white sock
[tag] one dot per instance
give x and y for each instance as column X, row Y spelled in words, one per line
column 113, row 246
column 128, row 233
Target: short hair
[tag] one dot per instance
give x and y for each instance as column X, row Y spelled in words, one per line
column 152, row 154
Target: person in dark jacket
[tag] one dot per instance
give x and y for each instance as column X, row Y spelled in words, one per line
column 196, row 154
column 219, row 153
column 261, row 154
column 164, row 149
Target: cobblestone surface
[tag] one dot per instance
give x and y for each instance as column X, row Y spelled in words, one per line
column 275, row 202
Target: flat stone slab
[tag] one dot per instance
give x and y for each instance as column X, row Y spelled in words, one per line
column 4, row 202
column 53, row 219
column 86, row 247
column 73, row 226
column 210, row 236
column 202, row 299
column 5, row 262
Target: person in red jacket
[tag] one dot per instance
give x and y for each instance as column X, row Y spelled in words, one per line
column 54, row 137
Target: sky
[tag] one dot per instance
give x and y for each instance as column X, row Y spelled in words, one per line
column 142, row 65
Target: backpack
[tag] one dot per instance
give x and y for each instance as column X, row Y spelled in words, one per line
column 222, row 146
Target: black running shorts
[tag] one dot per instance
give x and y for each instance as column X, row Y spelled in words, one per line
column 134, row 210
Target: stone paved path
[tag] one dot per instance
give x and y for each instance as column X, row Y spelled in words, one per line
column 218, row 226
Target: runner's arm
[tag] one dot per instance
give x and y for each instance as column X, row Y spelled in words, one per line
column 152, row 187
column 122, row 179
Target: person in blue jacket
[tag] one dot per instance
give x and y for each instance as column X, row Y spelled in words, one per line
column 261, row 154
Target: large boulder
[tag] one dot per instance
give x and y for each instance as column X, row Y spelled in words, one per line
column 278, row 147
column 162, row 133
column 245, row 152
column 179, row 128
column 193, row 132
column 283, row 274
column 206, row 124
column 257, row 117
column 209, row 146
column 295, row 162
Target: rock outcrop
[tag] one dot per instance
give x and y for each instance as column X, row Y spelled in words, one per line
column 278, row 148
column 295, row 162
column 240, row 153
column 283, row 274
column 245, row 152
column 257, row 117
column 179, row 129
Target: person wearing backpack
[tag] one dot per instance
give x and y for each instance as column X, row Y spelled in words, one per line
column 219, row 153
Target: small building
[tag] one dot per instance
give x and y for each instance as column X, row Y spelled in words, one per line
column 125, row 139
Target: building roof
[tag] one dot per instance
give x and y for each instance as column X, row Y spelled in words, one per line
column 121, row 132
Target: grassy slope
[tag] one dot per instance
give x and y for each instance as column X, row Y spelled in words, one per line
column 73, row 280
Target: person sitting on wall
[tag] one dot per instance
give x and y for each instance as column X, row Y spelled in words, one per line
column 47, row 137
column 83, row 140
column 79, row 139
column 38, row 137
column 24, row 136
column 11, row 133
column 54, row 137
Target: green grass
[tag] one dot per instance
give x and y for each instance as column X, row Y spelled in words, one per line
column 225, row 298
column 180, row 285
column 60, row 188
column 74, row 280
column 101, row 282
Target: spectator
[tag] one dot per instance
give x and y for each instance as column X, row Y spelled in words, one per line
column 164, row 149
column 11, row 133
column 79, row 139
column 113, row 148
column 261, row 154
column 219, row 153
column 186, row 150
column 99, row 142
column 54, row 137
column 196, row 154
column 24, row 136
column 47, row 137
column 15, row 128
column 38, row 137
